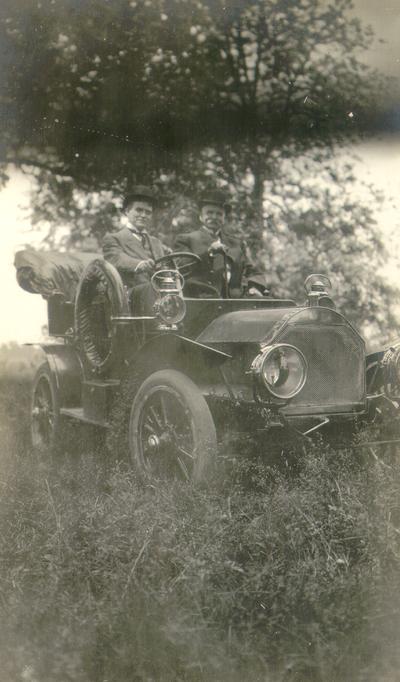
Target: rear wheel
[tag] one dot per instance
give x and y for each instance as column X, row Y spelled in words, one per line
column 171, row 430
column 45, row 425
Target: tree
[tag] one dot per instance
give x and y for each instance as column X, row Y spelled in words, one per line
column 314, row 211
column 314, row 221
column 105, row 92
column 180, row 93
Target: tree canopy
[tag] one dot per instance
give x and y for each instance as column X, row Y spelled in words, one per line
column 98, row 95
column 107, row 92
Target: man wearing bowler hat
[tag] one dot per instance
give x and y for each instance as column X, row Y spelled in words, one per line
column 224, row 269
column 132, row 250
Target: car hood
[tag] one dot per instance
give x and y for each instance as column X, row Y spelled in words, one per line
column 245, row 326
column 265, row 325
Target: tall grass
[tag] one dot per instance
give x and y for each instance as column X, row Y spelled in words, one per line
column 270, row 573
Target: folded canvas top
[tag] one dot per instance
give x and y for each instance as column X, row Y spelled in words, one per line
column 51, row 272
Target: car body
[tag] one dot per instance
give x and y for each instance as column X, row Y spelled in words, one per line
column 176, row 380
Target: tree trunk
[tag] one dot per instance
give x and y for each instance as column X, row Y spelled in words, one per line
column 258, row 194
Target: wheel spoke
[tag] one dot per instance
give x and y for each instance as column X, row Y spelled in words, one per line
column 151, row 424
column 185, row 452
column 42, row 400
column 183, row 468
column 164, row 410
column 156, row 417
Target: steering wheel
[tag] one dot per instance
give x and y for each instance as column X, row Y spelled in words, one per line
column 181, row 260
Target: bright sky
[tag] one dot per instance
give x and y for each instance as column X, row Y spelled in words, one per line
column 384, row 17
column 380, row 165
column 23, row 314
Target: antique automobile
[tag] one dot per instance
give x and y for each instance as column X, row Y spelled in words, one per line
column 171, row 380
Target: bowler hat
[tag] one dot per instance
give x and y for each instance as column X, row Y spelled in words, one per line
column 139, row 193
column 215, row 197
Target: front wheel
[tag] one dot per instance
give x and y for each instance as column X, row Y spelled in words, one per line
column 171, row 430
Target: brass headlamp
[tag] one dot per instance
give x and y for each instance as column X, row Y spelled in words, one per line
column 169, row 306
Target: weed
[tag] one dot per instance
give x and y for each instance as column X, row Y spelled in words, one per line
column 272, row 572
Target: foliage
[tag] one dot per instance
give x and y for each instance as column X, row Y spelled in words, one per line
column 114, row 92
column 18, row 362
column 314, row 211
column 269, row 573
column 250, row 96
column 105, row 91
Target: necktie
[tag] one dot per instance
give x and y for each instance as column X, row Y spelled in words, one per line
column 142, row 237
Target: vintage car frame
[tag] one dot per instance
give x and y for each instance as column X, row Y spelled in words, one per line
column 168, row 382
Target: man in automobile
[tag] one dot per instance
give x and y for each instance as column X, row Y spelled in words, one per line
column 132, row 250
column 224, row 269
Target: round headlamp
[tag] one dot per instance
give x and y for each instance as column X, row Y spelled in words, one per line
column 282, row 368
column 171, row 308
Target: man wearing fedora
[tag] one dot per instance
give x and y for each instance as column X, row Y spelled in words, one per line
column 224, row 269
column 132, row 250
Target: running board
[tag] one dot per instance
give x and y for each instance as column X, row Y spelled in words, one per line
column 77, row 414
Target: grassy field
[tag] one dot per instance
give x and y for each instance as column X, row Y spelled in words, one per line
column 270, row 573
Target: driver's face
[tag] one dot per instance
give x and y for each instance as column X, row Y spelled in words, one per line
column 212, row 216
column 140, row 214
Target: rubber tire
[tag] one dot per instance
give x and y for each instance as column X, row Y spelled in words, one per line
column 119, row 307
column 204, row 432
column 45, row 374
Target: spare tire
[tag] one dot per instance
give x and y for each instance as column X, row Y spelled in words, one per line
column 100, row 296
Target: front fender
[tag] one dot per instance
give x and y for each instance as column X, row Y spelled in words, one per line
column 373, row 369
column 195, row 359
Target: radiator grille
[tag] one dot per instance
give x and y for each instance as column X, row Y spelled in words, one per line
column 336, row 365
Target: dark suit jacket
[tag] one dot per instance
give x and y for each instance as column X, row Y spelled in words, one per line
column 211, row 270
column 125, row 251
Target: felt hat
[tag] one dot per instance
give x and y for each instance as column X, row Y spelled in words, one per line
column 214, row 197
column 139, row 193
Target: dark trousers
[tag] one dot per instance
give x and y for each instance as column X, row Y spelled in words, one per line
column 141, row 299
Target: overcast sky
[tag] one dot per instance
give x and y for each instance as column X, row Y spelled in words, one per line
column 384, row 17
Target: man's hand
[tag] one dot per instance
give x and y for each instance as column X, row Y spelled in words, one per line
column 253, row 291
column 145, row 266
column 217, row 247
column 258, row 292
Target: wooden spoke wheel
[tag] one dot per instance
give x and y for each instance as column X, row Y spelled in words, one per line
column 171, row 430
column 45, row 413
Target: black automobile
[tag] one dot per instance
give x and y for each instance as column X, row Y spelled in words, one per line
column 171, row 381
